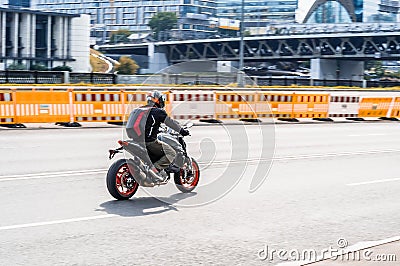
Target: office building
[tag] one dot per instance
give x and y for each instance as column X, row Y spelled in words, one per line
column 347, row 11
column 30, row 37
column 134, row 15
column 390, row 10
column 15, row 3
column 326, row 11
column 258, row 13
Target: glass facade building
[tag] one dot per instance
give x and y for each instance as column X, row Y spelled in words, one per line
column 356, row 11
column 135, row 15
column 15, row 3
column 389, row 10
column 336, row 12
column 19, row 3
column 258, row 13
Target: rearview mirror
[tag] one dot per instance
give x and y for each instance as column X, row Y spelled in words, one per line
column 189, row 125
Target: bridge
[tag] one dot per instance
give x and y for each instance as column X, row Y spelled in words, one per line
column 340, row 47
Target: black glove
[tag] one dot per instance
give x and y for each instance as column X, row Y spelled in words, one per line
column 184, row 132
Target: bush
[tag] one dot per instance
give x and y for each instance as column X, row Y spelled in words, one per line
column 39, row 67
column 16, row 67
column 62, row 68
column 127, row 66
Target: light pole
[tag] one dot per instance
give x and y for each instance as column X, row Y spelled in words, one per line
column 240, row 76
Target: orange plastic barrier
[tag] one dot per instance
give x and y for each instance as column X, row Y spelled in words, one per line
column 292, row 105
column 274, row 105
column 115, row 106
column 310, row 105
column 343, row 106
column 395, row 108
column 374, row 107
column 106, row 106
column 42, row 106
column 132, row 100
column 7, row 107
column 192, row 105
column 232, row 105
column 97, row 106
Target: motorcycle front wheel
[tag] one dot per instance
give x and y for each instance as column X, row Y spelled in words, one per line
column 186, row 180
column 120, row 182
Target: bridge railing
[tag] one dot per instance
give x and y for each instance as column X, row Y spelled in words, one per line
column 229, row 79
column 54, row 77
column 223, row 79
column 293, row 29
column 31, row 77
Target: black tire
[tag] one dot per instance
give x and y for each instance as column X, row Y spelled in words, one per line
column 119, row 178
column 185, row 185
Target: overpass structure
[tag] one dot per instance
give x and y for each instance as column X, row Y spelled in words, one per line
column 333, row 54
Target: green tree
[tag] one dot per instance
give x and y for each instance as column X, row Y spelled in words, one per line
column 127, row 66
column 246, row 33
column 120, row 35
column 163, row 22
column 378, row 67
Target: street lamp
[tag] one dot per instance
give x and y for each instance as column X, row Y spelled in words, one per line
column 240, row 76
column 241, row 59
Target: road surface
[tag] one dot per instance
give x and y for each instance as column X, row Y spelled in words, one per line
column 327, row 181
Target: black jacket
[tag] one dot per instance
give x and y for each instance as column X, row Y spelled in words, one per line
column 155, row 118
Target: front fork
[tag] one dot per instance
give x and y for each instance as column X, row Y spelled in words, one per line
column 189, row 163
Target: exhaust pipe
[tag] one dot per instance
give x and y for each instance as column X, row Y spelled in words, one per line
column 140, row 174
column 143, row 174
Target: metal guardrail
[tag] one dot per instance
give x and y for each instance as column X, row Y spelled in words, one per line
column 63, row 77
column 31, row 77
column 54, row 77
column 323, row 28
column 225, row 79
column 93, row 78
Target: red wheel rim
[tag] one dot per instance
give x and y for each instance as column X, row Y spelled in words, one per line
column 124, row 181
column 192, row 182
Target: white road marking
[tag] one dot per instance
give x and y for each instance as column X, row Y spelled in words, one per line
column 212, row 164
column 353, row 248
column 56, row 173
column 155, row 209
column 374, row 182
column 51, row 175
column 368, row 135
column 297, row 157
column 207, row 140
column 371, row 244
column 65, row 221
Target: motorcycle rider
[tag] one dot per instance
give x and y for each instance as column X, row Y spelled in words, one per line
column 150, row 117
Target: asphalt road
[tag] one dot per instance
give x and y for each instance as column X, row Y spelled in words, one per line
column 327, row 181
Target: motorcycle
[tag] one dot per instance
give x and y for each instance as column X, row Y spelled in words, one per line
column 126, row 175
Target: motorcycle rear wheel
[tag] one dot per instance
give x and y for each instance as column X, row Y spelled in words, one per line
column 187, row 183
column 120, row 182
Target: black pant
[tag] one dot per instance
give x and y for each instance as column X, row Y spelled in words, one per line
column 163, row 150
